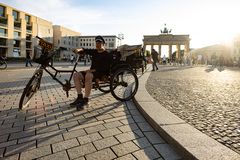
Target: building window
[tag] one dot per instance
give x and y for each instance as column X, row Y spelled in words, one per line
column 111, row 45
column 17, row 35
column 3, row 41
column 15, row 15
column 27, row 18
column 3, row 32
column 28, row 37
column 2, row 11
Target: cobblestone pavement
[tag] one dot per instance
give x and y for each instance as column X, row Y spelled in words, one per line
column 205, row 98
column 50, row 129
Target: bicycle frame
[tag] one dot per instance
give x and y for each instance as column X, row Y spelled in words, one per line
column 66, row 86
column 61, row 71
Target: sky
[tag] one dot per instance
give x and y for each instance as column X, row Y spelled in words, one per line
column 207, row 22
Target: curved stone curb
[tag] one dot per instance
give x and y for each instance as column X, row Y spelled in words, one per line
column 190, row 142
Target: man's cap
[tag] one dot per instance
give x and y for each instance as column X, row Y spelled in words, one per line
column 99, row 38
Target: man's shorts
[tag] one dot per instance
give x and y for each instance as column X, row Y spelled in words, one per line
column 97, row 75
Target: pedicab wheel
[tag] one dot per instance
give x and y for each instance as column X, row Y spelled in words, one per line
column 3, row 65
column 30, row 89
column 104, row 87
column 124, row 84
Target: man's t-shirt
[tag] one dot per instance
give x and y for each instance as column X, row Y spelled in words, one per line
column 101, row 62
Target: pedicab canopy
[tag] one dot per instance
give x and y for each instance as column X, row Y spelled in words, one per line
column 128, row 50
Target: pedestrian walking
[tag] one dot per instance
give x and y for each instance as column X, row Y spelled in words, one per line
column 28, row 59
column 72, row 59
column 155, row 59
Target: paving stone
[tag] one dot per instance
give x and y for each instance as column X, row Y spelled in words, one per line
column 4, row 138
column 110, row 132
column 142, row 142
column 124, row 137
column 74, row 134
column 69, row 124
column 145, row 127
column 89, row 138
column 205, row 99
column 11, row 130
column 56, row 147
column 124, row 148
column 95, row 129
column 106, row 154
column 8, row 143
column 50, row 129
column 146, row 153
column 166, row 151
column 86, row 125
column 105, row 143
column 35, row 153
column 129, row 127
column 127, row 121
column 1, row 152
column 127, row 157
column 18, row 148
column 113, row 124
column 154, row 138
column 22, row 134
column 56, row 156
column 103, row 117
column 116, row 119
column 13, row 157
column 81, row 150
column 47, row 129
column 139, row 119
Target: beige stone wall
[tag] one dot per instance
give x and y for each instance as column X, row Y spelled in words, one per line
column 40, row 27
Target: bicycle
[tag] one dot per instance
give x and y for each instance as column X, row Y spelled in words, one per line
column 3, row 63
column 122, row 81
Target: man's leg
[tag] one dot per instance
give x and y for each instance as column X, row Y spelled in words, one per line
column 26, row 63
column 78, row 78
column 88, row 88
column 88, row 84
column 153, row 67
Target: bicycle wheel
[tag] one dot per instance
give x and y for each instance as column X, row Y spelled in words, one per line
column 124, row 84
column 104, row 87
column 30, row 89
column 3, row 65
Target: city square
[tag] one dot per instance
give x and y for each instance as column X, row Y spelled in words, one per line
column 123, row 80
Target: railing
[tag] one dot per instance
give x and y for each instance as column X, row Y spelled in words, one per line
column 3, row 34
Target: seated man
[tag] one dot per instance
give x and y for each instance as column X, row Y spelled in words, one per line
column 101, row 63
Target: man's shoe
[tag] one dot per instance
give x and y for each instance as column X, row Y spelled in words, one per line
column 80, row 106
column 78, row 100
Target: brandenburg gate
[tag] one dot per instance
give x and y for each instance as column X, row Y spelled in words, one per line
column 165, row 38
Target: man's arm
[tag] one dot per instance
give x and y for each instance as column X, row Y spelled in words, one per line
column 78, row 51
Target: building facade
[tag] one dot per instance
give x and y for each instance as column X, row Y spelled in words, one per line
column 111, row 42
column 18, row 31
column 66, row 40
column 236, row 48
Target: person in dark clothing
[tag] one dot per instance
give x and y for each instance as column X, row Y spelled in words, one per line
column 154, row 55
column 28, row 59
column 100, row 67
